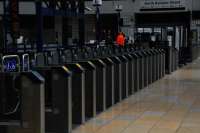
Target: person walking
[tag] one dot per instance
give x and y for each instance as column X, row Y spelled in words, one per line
column 120, row 40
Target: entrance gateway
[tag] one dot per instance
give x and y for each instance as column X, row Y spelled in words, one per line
column 153, row 23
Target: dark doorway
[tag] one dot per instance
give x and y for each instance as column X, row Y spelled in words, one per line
column 108, row 23
column 1, row 33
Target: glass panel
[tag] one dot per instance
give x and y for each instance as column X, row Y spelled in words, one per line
column 177, row 43
column 148, row 30
column 170, row 28
column 157, row 30
column 140, row 30
column 169, row 38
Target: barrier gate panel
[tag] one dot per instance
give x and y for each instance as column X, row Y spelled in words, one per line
column 136, row 72
column 78, row 93
column 33, row 104
column 117, row 78
column 129, row 74
column 58, row 106
column 90, row 88
column 109, row 81
column 100, row 85
column 124, row 65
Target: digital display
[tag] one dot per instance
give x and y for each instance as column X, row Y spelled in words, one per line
column 11, row 64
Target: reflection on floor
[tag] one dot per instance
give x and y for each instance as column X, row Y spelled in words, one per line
column 171, row 105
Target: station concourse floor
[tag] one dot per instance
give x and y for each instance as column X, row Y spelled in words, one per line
column 170, row 105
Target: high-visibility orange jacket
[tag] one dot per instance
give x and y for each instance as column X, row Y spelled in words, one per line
column 120, row 40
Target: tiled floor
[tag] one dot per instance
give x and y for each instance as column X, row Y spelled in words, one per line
column 170, row 105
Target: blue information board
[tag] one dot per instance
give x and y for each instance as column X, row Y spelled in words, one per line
column 11, row 63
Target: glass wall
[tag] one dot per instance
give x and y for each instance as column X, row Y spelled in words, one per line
column 174, row 35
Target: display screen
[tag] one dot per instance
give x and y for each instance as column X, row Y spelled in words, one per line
column 11, row 64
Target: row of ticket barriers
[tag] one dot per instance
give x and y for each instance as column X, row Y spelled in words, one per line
column 55, row 98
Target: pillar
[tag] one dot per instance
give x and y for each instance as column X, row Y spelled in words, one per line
column 81, row 23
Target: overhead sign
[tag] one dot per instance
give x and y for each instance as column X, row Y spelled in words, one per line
column 162, row 4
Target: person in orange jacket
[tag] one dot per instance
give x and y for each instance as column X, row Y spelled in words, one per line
column 120, row 40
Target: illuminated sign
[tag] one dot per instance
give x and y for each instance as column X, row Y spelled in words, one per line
column 11, row 63
column 160, row 4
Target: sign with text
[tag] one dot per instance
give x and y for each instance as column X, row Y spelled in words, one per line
column 11, row 63
column 162, row 4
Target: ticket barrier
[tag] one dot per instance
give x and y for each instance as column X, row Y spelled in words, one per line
column 172, row 60
column 146, row 67
column 163, row 62
column 23, row 62
column 175, row 59
column 169, row 60
column 130, row 80
column 58, row 99
column 65, row 57
column 159, row 65
column 154, row 65
column 141, row 69
column 52, row 58
column 90, row 88
column 109, row 81
column 83, row 103
column 150, row 65
column 78, row 93
column 117, row 78
column 124, row 76
column 156, row 69
column 136, row 70
column 22, row 103
column 158, row 55
column 39, row 60
column 100, row 85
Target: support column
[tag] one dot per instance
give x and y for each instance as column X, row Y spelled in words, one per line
column 97, row 25
column 164, row 33
column 14, row 5
column 39, row 41
column 118, row 21
column 82, row 23
column 11, row 24
column 65, row 31
column 1, row 35
column 174, row 37
column 58, row 30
